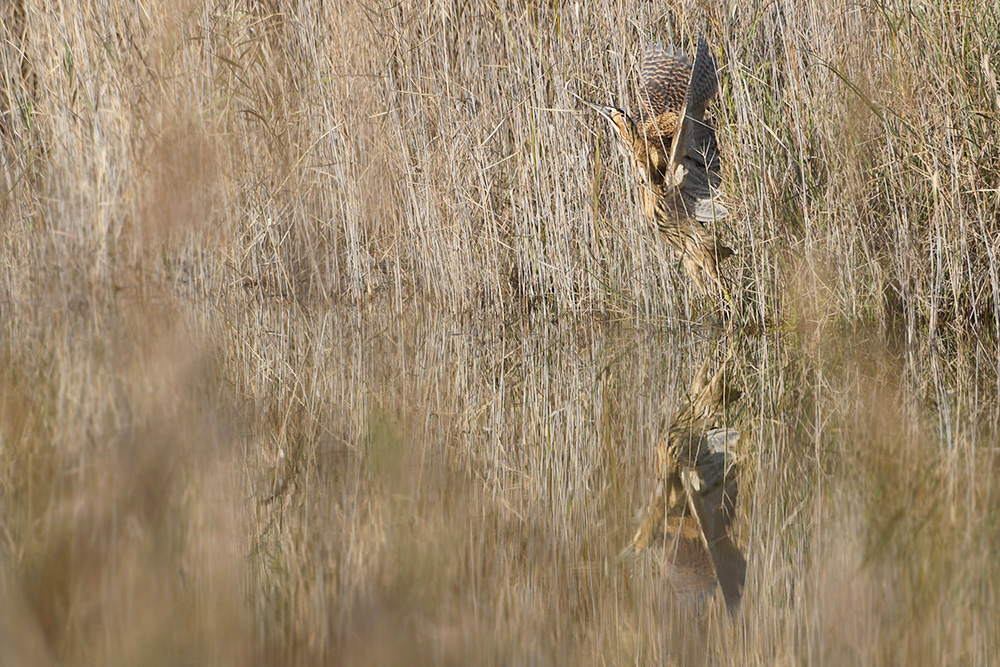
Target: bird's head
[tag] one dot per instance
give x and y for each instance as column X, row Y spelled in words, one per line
column 631, row 143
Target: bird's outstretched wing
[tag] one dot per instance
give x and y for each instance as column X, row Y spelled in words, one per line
column 694, row 155
column 663, row 82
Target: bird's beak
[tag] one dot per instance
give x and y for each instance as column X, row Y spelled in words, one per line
column 605, row 111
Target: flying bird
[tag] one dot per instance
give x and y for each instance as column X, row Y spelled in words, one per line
column 672, row 148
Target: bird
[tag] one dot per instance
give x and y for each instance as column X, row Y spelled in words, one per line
column 690, row 512
column 672, row 148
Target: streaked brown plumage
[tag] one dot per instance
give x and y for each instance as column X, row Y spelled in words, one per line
column 673, row 149
column 691, row 508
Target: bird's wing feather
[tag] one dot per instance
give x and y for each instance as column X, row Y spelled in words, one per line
column 663, row 81
column 694, row 155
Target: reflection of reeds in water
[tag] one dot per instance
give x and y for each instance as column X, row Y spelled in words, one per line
column 692, row 505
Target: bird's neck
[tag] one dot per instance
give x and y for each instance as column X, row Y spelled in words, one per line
column 651, row 155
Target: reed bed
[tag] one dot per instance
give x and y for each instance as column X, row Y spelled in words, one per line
column 332, row 333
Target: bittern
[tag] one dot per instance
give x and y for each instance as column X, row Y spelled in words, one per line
column 692, row 505
column 673, row 150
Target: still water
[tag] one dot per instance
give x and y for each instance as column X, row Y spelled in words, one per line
column 631, row 490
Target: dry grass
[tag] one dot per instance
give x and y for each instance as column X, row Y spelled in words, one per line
column 331, row 332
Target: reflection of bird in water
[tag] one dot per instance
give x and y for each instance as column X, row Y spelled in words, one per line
column 692, row 506
column 672, row 147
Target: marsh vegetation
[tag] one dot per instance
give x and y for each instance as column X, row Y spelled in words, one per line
column 332, row 332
